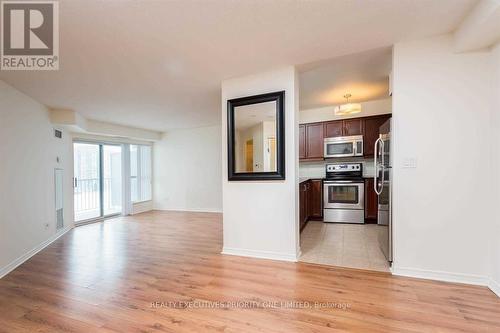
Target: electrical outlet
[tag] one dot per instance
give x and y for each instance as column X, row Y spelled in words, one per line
column 47, row 225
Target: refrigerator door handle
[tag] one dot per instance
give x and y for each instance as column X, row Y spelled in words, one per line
column 375, row 153
column 375, row 180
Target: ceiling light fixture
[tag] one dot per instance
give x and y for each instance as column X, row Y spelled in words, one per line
column 348, row 108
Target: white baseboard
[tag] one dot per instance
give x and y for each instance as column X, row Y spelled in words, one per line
column 299, row 254
column 141, row 207
column 441, row 276
column 14, row 264
column 191, row 210
column 494, row 286
column 260, row 254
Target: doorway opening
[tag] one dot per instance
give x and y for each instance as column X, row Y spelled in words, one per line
column 345, row 161
column 249, row 156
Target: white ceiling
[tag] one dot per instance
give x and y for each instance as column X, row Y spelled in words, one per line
column 363, row 75
column 158, row 64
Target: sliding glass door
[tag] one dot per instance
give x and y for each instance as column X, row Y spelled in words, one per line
column 112, row 177
column 87, row 177
column 98, row 180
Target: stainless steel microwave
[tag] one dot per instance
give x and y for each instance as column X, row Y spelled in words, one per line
column 344, row 146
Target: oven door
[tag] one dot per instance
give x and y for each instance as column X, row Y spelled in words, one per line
column 344, row 194
column 339, row 149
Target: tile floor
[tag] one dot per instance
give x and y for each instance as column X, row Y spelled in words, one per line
column 346, row 245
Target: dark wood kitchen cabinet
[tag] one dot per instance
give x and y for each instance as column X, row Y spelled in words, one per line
column 346, row 127
column 371, row 202
column 303, row 204
column 353, row 126
column 315, row 197
column 371, row 132
column 302, row 141
column 311, row 136
column 312, row 141
column 310, row 201
column 333, row 129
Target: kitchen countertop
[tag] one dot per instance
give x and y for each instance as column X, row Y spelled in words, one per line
column 304, row 179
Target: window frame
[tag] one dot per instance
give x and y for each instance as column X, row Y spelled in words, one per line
column 138, row 173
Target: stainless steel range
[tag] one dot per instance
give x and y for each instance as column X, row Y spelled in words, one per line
column 344, row 193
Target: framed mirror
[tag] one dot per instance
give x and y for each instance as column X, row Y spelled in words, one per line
column 256, row 137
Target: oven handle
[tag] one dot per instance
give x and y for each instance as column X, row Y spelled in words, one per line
column 343, row 182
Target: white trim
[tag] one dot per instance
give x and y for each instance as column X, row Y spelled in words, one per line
column 260, row 254
column 14, row 264
column 494, row 286
column 299, row 254
column 142, row 207
column 141, row 201
column 89, row 138
column 89, row 221
column 441, row 276
column 192, row 210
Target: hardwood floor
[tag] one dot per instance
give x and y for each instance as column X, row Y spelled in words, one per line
column 120, row 275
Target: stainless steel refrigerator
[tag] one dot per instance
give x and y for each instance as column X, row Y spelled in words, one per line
column 383, row 187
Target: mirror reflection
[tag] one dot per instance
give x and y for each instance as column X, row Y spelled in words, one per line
column 255, row 137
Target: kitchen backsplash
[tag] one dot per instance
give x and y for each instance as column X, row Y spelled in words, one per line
column 317, row 169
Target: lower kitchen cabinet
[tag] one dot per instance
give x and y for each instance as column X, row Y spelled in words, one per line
column 303, row 204
column 315, row 205
column 371, row 202
column 310, row 201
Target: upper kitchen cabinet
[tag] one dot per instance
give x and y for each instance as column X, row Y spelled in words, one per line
column 333, row 129
column 311, row 136
column 313, row 141
column 346, row 127
column 353, row 127
column 302, row 141
column 371, row 133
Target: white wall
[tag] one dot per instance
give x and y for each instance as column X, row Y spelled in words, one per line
column 441, row 117
column 370, row 108
column 187, row 170
column 494, row 282
column 261, row 218
column 29, row 154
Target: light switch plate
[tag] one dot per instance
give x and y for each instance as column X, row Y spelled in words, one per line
column 410, row 162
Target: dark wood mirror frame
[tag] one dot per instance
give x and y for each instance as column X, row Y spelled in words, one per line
column 279, row 174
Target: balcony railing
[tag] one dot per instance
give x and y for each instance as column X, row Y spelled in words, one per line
column 87, row 198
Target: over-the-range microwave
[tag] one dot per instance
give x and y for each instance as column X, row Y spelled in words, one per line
column 344, row 146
